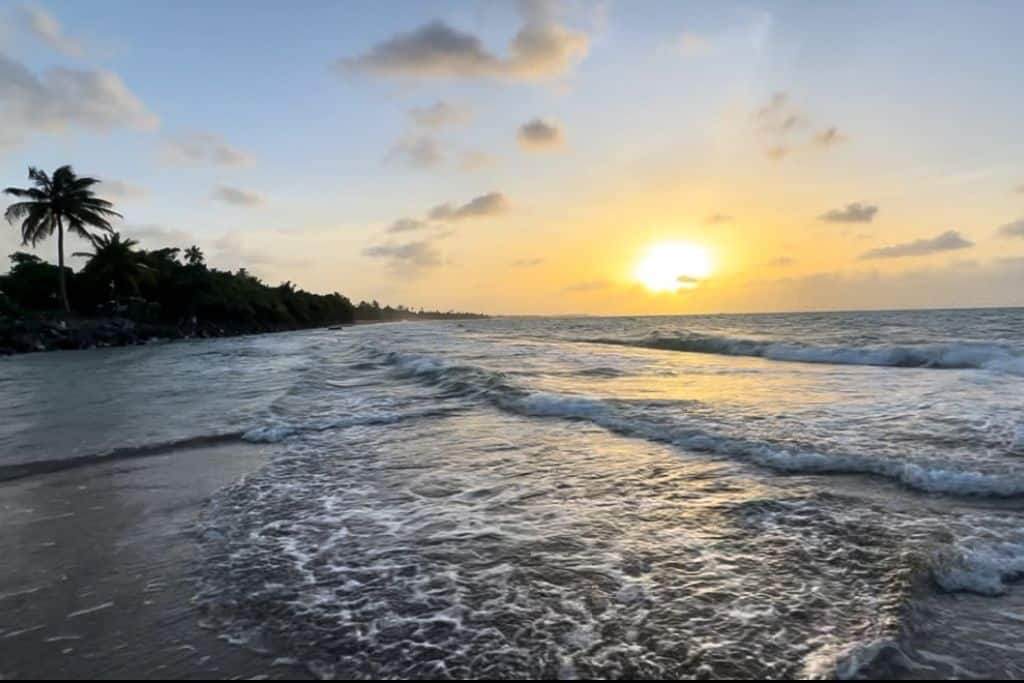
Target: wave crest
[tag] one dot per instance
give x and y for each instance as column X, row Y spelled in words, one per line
column 963, row 355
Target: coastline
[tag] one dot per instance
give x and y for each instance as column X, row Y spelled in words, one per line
column 77, row 333
column 102, row 583
column 39, row 335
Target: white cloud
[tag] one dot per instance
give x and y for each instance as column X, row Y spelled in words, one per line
column 542, row 48
column 490, row 204
column 117, row 190
column 408, row 258
column 46, row 28
column 205, row 148
column 417, row 151
column 63, row 98
column 155, row 236
column 233, row 195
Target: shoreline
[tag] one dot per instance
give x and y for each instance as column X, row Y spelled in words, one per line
column 103, row 581
column 79, row 333
column 41, row 335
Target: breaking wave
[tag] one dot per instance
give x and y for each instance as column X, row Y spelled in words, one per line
column 646, row 421
column 979, row 356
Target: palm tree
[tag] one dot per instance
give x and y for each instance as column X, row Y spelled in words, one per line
column 194, row 256
column 115, row 261
column 63, row 200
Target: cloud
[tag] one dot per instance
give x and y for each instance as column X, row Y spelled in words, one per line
column 205, row 148
column 589, row 286
column 947, row 241
column 779, row 115
column 408, row 258
column 783, row 127
column 155, row 236
column 1019, row 189
column 231, row 249
column 541, row 49
column 408, row 225
column 539, row 134
column 115, row 189
column 829, row 136
column 716, row 218
column 956, row 284
column 854, row 212
column 490, row 204
column 1014, row 229
column 233, row 195
column 527, row 262
column 440, row 114
column 46, row 28
column 418, row 151
column 63, row 98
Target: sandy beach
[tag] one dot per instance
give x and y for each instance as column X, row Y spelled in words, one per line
column 99, row 574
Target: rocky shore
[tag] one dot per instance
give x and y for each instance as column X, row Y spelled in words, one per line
column 67, row 333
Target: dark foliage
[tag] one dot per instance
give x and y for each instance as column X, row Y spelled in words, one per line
column 159, row 286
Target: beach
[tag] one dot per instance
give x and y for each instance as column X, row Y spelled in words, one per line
column 98, row 571
column 776, row 496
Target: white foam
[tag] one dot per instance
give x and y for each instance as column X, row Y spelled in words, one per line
column 920, row 475
column 983, row 568
column 961, row 355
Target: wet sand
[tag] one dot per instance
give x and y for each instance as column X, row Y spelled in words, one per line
column 97, row 571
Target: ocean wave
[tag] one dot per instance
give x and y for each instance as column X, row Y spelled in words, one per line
column 279, row 430
column 850, row 661
column 641, row 421
column 984, row 568
column 963, row 355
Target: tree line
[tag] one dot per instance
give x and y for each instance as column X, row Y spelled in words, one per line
column 171, row 285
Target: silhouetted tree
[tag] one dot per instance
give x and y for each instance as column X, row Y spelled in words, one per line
column 55, row 203
column 194, row 256
column 115, row 261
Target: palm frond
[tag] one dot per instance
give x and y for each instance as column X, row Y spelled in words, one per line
column 39, row 177
column 30, row 192
column 39, row 224
column 63, row 177
column 18, row 210
column 83, row 183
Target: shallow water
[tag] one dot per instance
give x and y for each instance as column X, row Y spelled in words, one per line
column 776, row 496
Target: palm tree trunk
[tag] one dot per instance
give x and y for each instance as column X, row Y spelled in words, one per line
column 60, row 266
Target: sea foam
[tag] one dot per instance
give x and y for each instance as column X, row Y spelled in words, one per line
column 994, row 357
column 637, row 421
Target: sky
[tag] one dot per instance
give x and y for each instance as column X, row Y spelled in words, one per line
column 525, row 157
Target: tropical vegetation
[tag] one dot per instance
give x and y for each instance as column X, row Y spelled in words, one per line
column 171, row 286
column 56, row 202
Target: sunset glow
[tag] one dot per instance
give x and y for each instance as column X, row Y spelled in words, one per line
column 671, row 266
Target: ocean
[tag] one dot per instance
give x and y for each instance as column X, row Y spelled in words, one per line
column 783, row 495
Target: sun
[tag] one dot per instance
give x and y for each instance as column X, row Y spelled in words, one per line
column 671, row 266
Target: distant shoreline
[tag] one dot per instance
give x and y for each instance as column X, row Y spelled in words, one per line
column 72, row 333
